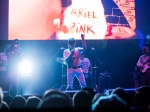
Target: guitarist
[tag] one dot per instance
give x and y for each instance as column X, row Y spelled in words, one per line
column 144, row 66
column 86, row 67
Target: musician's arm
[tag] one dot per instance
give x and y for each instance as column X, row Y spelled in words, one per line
column 139, row 64
column 89, row 63
column 83, row 42
column 67, row 56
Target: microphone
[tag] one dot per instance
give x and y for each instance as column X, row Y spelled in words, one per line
column 62, row 48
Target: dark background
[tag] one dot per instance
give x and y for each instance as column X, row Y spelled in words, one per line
column 118, row 56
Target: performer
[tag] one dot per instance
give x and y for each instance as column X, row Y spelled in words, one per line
column 85, row 65
column 71, row 55
column 13, row 56
column 3, row 65
column 144, row 66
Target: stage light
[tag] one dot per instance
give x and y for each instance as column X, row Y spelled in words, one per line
column 147, row 36
column 25, row 67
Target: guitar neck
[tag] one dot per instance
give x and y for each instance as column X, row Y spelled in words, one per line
column 147, row 61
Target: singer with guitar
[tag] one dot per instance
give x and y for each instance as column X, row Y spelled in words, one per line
column 144, row 66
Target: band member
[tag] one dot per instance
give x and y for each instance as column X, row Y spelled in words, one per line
column 71, row 55
column 13, row 56
column 3, row 65
column 144, row 66
column 85, row 65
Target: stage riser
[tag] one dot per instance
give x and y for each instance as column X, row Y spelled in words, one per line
column 5, row 93
column 71, row 92
column 27, row 96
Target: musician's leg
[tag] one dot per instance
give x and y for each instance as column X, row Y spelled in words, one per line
column 13, row 84
column 12, row 80
column 80, row 77
column 70, row 78
column 2, row 78
column 143, row 79
column 8, row 82
column 148, row 77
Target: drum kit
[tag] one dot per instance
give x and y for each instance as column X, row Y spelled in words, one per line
column 93, row 78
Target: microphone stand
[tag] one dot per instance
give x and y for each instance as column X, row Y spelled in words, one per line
column 97, row 57
column 19, row 81
column 92, row 85
column 19, row 86
column 63, row 75
column 94, row 80
column 55, row 54
column 62, row 86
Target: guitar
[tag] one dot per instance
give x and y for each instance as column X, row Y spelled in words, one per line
column 146, row 66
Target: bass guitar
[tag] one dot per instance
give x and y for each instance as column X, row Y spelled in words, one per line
column 145, row 67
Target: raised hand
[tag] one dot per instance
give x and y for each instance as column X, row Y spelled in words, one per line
column 82, row 36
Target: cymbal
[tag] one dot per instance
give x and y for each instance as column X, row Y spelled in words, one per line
column 95, row 67
column 61, row 60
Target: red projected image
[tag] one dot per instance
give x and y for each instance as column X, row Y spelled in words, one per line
column 62, row 19
column 33, row 19
column 118, row 32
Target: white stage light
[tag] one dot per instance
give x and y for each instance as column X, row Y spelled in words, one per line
column 25, row 67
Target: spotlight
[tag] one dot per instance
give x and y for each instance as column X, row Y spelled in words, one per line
column 25, row 67
column 147, row 36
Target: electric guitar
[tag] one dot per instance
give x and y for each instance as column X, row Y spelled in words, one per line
column 146, row 66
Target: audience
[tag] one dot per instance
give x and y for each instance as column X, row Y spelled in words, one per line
column 123, row 95
column 18, row 102
column 96, row 96
column 111, row 102
column 8, row 99
column 54, row 99
column 32, row 102
column 85, row 99
column 1, row 97
column 82, row 100
column 142, row 98
column 5, row 106
column 89, row 90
